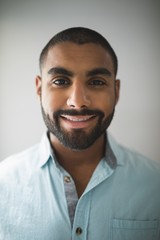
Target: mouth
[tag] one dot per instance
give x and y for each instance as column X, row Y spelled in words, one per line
column 77, row 121
column 78, row 118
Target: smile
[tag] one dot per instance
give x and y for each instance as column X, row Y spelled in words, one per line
column 77, row 122
column 78, row 118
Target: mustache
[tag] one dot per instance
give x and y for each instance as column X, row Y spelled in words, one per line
column 73, row 112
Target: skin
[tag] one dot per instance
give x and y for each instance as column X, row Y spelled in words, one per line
column 78, row 90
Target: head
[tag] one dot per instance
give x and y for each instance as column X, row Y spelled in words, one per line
column 78, row 88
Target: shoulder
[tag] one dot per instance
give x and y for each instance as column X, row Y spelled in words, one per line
column 20, row 163
column 133, row 160
column 136, row 175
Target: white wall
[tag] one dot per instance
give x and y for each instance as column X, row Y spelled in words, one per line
column 132, row 27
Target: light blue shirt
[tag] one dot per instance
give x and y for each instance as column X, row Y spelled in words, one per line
column 121, row 201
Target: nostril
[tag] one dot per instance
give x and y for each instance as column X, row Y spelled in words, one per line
column 76, row 106
column 78, row 102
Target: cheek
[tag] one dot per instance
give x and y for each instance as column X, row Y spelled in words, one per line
column 105, row 102
column 52, row 101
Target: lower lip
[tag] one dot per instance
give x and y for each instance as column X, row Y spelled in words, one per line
column 77, row 125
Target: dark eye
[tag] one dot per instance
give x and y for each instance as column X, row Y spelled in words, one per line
column 61, row 82
column 97, row 82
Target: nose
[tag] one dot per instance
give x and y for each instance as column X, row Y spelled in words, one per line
column 78, row 97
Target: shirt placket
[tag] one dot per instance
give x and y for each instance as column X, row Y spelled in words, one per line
column 81, row 219
column 71, row 195
column 78, row 209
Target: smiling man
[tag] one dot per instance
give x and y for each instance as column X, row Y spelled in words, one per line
column 78, row 183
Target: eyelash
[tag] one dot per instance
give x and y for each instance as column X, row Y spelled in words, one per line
column 97, row 82
column 66, row 82
column 61, row 81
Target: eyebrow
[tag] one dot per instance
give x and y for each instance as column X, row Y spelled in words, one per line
column 91, row 73
column 99, row 71
column 60, row 70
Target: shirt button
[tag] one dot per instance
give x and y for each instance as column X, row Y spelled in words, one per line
column 67, row 179
column 79, row 231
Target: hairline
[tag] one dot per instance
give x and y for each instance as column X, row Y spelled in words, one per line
column 79, row 36
column 44, row 57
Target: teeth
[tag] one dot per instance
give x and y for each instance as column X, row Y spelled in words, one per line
column 77, row 119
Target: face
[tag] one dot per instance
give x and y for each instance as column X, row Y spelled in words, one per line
column 78, row 93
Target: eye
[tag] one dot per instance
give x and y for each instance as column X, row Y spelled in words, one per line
column 97, row 82
column 61, row 82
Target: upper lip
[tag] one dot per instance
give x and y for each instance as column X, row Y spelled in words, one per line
column 78, row 118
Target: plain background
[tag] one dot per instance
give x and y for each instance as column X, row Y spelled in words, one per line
column 132, row 28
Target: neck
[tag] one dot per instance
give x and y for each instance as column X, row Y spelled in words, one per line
column 68, row 157
column 79, row 164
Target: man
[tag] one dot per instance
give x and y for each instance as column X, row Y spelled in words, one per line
column 78, row 183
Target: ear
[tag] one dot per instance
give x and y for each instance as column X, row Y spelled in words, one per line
column 38, row 81
column 117, row 90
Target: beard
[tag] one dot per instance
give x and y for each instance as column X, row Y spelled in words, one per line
column 77, row 139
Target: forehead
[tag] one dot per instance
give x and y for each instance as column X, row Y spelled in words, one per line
column 74, row 56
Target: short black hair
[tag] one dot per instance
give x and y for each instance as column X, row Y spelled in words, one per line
column 79, row 35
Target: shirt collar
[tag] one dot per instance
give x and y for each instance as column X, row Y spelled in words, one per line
column 44, row 150
column 112, row 154
column 116, row 150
